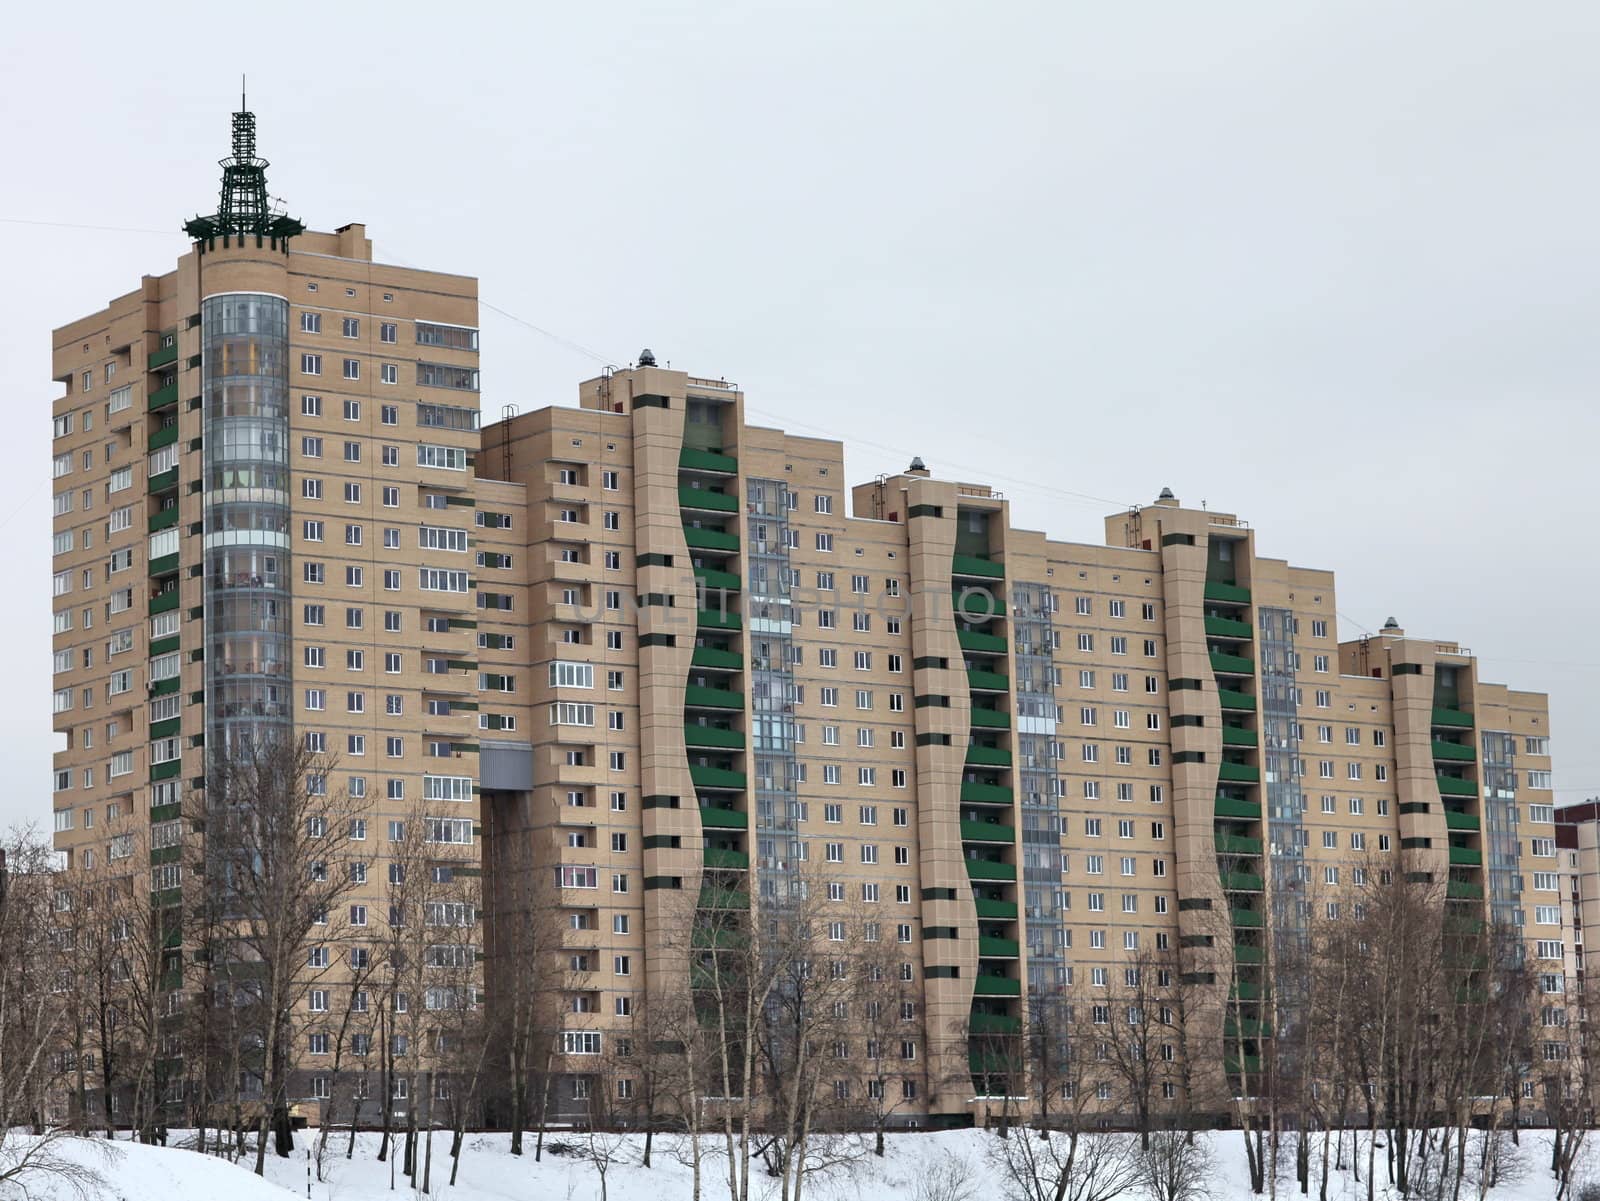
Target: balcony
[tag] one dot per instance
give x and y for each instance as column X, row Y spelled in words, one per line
column 699, row 539
column 1228, row 594
column 690, row 459
column 1457, row 751
column 972, row 565
column 164, row 519
column 697, row 696
column 1461, row 821
column 713, row 817
column 162, row 437
column 1249, row 919
column 725, row 939
column 713, row 580
column 705, row 500
column 1456, row 718
column 164, row 603
column 163, row 564
column 1243, row 990
column 1237, row 701
column 1234, row 736
column 987, row 832
column 1226, row 627
column 719, row 660
column 1238, row 773
column 721, row 779
column 162, row 480
column 1248, row 954
column 713, row 619
column 1241, row 882
column 996, row 986
column 1251, row 1065
column 976, row 606
column 984, row 869
column 1232, row 665
column 1465, row 857
column 1237, row 844
column 996, row 909
column 997, row 948
column 162, row 397
column 720, row 857
column 160, row 358
column 993, row 1023
column 987, row 644
column 985, row 794
column 1451, row 786
column 988, row 681
column 724, row 898
column 713, row 736
column 988, row 756
column 1460, row 890
column 1244, row 810
column 990, row 719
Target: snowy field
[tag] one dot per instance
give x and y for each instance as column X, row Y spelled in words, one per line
column 131, row 1172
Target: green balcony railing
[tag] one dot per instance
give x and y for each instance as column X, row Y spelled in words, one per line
column 1459, row 751
column 1235, row 665
column 1230, row 699
column 988, row 644
column 698, row 696
column 1460, row 890
column 1251, row 1065
column 984, row 869
column 715, row 619
column 988, row 756
column 1238, row 773
column 1230, row 594
column 1233, row 736
column 1227, row 806
column 716, row 777
column 163, row 519
column 1241, row 882
column 707, row 460
column 161, row 357
column 993, row 1023
column 995, row 909
column 713, row 580
column 1461, row 821
column 162, row 397
column 711, row 656
column 163, row 564
column 1444, row 716
column 972, row 565
column 716, row 818
column 976, row 606
column 164, row 603
column 1237, row 844
column 162, row 480
column 713, row 736
column 1248, row 954
column 162, row 437
column 705, row 498
column 1451, row 786
column 1226, row 627
column 985, row 794
column 991, row 719
column 997, row 948
column 1244, row 990
column 724, row 898
column 725, row 937
column 1246, row 918
column 996, row 986
column 1465, row 857
column 700, row 539
column 988, row 681
column 987, row 832
column 722, row 857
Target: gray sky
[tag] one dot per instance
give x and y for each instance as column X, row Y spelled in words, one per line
column 1329, row 266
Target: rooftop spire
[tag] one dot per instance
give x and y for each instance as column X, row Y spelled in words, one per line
column 243, row 207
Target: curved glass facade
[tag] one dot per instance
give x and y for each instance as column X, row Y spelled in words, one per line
column 246, row 409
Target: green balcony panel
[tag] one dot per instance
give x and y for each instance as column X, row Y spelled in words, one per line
column 1240, row 701
column 710, row 656
column 1226, row 627
column 724, row 898
column 163, row 564
column 163, row 356
column 1241, row 882
column 714, row 619
column 1248, row 954
column 1237, row 844
column 1232, row 736
column 1251, row 1065
column 1252, row 1027
column 166, row 771
column 1238, row 773
column 988, row 756
column 163, row 519
column 1244, row 810
column 997, row 948
column 993, row 1023
column 697, row 696
column 162, row 437
column 1460, row 890
column 996, row 986
column 1465, row 857
column 987, row 832
column 1246, row 918
column 985, row 794
column 162, row 480
column 1462, row 752
column 704, row 498
column 976, row 606
column 707, row 460
column 1236, row 665
column 726, row 938
column 713, row 580
column 162, row 397
column 972, row 565
column 715, row 818
column 721, row 857
column 996, row 909
column 164, row 603
column 716, row 777
column 165, row 728
column 1461, row 821
column 991, row 719
column 1230, row 594
column 1458, row 718
column 987, row 644
column 1450, row 786
column 983, row 869
column 700, row 539
column 1243, row 990
column 713, row 736
column 988, row 681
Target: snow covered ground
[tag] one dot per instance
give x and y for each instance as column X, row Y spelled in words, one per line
column 131, row 1172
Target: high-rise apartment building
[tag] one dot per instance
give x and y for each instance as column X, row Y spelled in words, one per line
column 675, row 664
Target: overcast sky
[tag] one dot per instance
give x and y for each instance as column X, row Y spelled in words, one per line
column 1331, row 267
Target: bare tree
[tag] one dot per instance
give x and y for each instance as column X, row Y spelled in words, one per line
column 1174, row 1168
